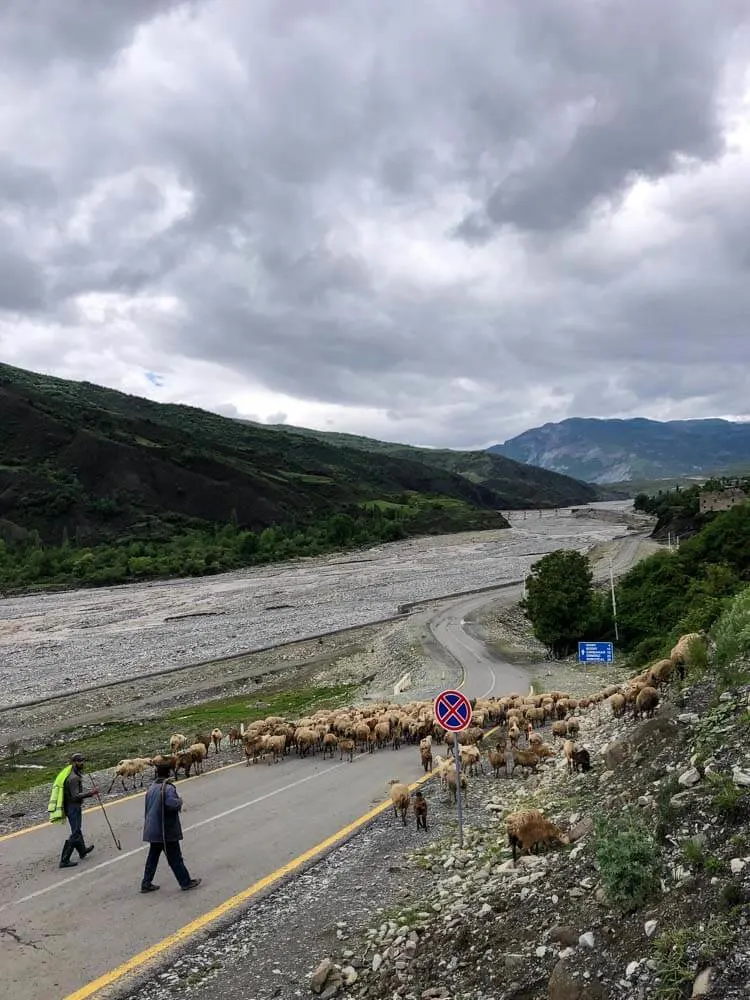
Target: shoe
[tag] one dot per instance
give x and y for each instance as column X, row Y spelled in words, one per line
column 86, row 850
column 149, row 888
column 68, row 864
column 192, row 884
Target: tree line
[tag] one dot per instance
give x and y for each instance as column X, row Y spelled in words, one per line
column 158, row 552
column 659, row 599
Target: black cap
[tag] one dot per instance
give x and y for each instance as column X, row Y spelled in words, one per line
column 77, row 758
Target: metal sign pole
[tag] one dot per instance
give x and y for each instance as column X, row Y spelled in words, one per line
column 457, row 755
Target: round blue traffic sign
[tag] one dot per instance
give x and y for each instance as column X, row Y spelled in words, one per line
column 453, row 711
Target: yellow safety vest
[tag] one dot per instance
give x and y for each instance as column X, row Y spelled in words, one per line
column 55, row 806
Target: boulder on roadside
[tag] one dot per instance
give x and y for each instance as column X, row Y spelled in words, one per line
column 564, row 985
column 619, row 750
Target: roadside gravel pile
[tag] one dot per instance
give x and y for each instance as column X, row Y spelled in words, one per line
column 52, row 642
column 654, row 902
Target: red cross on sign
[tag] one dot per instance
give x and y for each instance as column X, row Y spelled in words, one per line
column 453, row 711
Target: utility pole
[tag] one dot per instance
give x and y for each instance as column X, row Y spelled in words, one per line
column 614, row 602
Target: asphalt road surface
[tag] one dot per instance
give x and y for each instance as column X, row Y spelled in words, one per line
column 484, row 675
column 62, row 929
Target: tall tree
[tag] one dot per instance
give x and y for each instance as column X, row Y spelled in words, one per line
column 559, row 600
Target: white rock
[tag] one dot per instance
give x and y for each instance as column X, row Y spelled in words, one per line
column 740, row 777
column 737, row 864
column 377, row 961
column 703, row 983
column 541, row 951
column 689, row 718
column 649, row 927
column 349, row 975
column 566, row 952
column 631, row 969
column 586, row 940
column 689, row 778
column 485, row 910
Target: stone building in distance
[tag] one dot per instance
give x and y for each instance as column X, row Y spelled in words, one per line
column 722, row 499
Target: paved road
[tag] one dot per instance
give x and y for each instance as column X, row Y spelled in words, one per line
column 59, row 930
column 241, row 823
column 484, row 674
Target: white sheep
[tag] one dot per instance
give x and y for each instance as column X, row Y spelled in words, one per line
column 129, row 768
column 199, row 753
column 400, row 798
column 177, row 742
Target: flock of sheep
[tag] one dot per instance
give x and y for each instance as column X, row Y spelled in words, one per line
column 516, row 721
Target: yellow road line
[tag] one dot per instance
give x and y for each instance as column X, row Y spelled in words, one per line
column 137, row 962
column 113, row 803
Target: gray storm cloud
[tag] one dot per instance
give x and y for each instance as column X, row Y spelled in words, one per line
column 469, row 218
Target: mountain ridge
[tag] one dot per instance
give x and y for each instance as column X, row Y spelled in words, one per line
column 616, row 450
column 94, row 464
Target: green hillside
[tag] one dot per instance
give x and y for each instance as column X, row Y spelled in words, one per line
column 99, row 487
column 518, row 485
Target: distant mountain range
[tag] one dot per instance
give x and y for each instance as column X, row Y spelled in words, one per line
column 616, row 451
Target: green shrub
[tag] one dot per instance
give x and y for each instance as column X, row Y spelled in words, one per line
column 627, row 855
column 732, row 637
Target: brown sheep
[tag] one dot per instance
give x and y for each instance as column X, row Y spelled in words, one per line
column 425, row 754
column 528, row 830
column 276, row 745
column 617, row 704
column 682, row 654
column 216, row 737
column 581, row 760
column 660, row 673
column 497, row 760
column 347, row 747
column 330, row 742
column 560, row 729
column 646, row 702
column 525, row 758
column 453, row 786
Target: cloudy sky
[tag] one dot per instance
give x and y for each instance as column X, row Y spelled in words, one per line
column 436, row 222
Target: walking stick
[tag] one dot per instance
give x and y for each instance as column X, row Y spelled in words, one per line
column 118, row 845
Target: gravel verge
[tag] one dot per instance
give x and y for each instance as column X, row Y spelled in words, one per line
column 268, row 952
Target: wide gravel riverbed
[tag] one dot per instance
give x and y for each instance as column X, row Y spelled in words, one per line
column 52, row 643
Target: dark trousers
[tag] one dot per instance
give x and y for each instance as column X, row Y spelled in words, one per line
column 75, row 840
column 174, row 859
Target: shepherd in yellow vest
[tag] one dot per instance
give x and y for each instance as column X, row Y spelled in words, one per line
column 66, row 799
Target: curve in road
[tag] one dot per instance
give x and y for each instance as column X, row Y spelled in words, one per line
column 244, row 827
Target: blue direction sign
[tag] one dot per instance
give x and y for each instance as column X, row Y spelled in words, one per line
column 596, row 652
column 453, row 711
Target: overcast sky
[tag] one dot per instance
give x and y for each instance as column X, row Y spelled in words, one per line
column 427, row 221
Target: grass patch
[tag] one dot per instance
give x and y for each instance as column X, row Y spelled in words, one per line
column 110, row 742
column 729, row 801
column 681, row 952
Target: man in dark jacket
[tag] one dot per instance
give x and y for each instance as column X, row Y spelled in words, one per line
column 163, row 831
column 73, row 797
